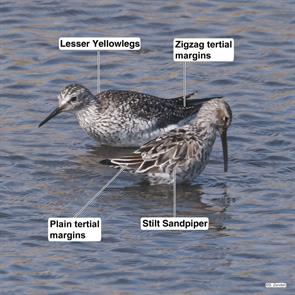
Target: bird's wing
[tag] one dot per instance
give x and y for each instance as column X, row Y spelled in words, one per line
column 180, row 98
column 193, row 101
column 159, row 112
column 176, row 146
column 164, row 112
column 196, row 102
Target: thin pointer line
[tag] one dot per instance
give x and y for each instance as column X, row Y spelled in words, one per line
column 98, row 72
column 184, row 83
column 98, row 193
column 174, row 193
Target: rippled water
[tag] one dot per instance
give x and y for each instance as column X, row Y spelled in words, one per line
column 54, row 170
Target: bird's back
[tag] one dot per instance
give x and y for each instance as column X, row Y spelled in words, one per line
column 145, row 106
column 185, row 150
column 130, row 118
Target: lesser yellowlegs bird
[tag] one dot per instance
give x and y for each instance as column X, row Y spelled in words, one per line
column 184, row 151
column 124, row 118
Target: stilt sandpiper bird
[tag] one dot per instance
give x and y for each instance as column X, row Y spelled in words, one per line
column 124, row 118
column 184, row 151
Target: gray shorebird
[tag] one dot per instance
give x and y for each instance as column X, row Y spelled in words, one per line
column 184, row 150
column 124, row 118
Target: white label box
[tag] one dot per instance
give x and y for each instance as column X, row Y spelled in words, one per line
column 203, row 49
column 174, row 223
column 98, row 43
column 62, row 229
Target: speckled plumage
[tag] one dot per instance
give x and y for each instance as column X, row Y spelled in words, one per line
column 185, row 150
column 124, row 118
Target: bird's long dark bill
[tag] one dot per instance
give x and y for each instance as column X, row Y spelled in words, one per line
column 51, row 115
column 224, row 148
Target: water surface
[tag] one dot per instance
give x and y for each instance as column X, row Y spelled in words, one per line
column 54, row 170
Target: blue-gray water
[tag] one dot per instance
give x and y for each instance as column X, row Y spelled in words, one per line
column 54, row 170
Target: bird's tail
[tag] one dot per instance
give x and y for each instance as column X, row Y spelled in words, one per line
column 193, row 101
column 131, row 162
column 108, row 162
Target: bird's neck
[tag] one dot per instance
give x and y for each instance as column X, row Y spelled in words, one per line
column 207, row 134
column 88, row 117
column 206, row 120
column 85, row 114
column 204, row 124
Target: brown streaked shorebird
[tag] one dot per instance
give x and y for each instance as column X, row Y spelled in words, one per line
column 184, row 150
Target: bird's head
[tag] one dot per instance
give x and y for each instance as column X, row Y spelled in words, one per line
column 223, row 116
column 217, row 114
column 223, row 121
column 71, row 99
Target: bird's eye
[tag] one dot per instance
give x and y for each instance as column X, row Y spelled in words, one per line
column 73, row 99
